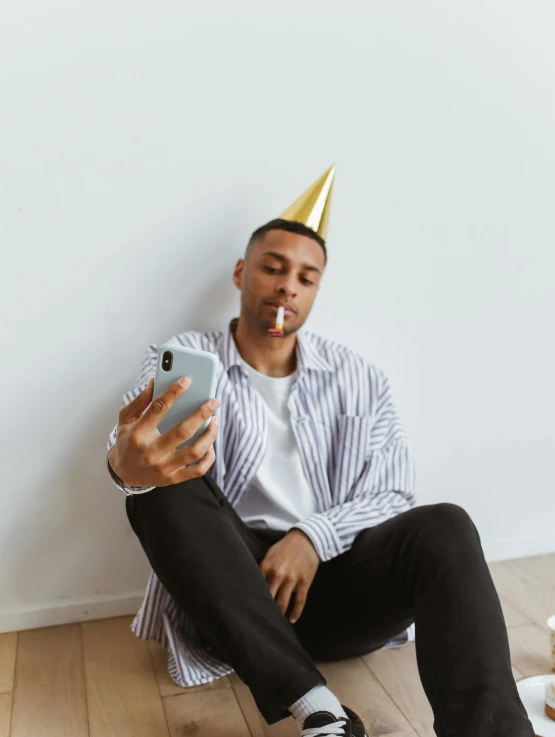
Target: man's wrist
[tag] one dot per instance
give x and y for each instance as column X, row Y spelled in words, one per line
column 112, row 465
column 305, row 536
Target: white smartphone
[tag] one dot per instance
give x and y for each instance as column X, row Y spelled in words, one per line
column 175, row 361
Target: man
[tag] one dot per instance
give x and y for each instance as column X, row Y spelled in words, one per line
column 290, row 533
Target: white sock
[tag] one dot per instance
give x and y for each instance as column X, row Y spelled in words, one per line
column 320, row 698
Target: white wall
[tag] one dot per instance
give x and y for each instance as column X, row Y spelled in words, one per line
column 141, row 144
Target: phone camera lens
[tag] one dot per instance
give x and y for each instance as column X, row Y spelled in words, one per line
column 167, row 360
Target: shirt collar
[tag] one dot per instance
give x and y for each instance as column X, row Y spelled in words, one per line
column 308, row 356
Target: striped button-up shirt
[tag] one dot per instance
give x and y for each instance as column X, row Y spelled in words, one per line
column 353, row 449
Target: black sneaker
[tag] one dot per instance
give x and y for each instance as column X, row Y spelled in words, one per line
column 324, row 723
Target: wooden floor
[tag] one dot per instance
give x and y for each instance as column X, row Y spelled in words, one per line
column 98, row 679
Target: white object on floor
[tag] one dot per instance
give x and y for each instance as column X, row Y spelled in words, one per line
column 532, row 694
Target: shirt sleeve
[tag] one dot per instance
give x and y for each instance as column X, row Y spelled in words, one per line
column 147, row 371
column 384, row 489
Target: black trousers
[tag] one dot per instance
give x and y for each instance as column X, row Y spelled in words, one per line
column 425, row 565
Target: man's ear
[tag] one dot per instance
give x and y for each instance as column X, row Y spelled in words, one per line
column 238, row 272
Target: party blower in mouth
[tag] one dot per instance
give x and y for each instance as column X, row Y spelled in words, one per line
column 277, row 332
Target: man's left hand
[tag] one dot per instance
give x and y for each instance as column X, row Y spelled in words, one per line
column 290, row 565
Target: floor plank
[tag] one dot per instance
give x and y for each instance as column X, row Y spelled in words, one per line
column 212, row 712
column 537, row 570
column 5, row 714
column 397, row 670
column 513, row 616
column 538, row 605
column 530, row 649
column 122, row 691
column 166, row 684
column 535, row 602
column 257, row 724
column 49, row 696
column 356, row 686
column 8, row 647
column 507, row 582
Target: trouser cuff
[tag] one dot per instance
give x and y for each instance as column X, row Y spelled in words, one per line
column 277, row 709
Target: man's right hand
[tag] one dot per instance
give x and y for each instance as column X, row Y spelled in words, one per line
column 142, row 456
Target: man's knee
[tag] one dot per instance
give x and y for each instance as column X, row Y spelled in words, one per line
column 449, row 514
column 445, row 524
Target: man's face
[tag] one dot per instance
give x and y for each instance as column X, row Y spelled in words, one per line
column 283, row 267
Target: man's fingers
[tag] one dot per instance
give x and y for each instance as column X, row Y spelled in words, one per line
column 193, row 452
column 196, row 469
column 284, row 595
column 137, row 406
column 185, row 430
column 163, row 402
column 300, row 601
column 272, row 580
column 274, row 588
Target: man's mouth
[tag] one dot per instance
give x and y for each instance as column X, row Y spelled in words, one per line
column 286, row 310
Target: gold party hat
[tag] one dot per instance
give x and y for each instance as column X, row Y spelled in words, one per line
column 312, row 208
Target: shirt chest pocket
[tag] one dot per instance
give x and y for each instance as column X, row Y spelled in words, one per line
column 350, row 450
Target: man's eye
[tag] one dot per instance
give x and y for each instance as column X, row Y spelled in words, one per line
column 271, row 270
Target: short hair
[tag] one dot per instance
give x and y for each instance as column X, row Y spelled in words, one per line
column 292, row 227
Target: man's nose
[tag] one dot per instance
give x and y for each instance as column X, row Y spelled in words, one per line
column 287, row 289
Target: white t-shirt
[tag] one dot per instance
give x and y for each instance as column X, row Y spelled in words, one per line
column 279, row 495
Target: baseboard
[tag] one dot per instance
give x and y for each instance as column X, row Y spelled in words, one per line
column 71, row 610
column 506, row 548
